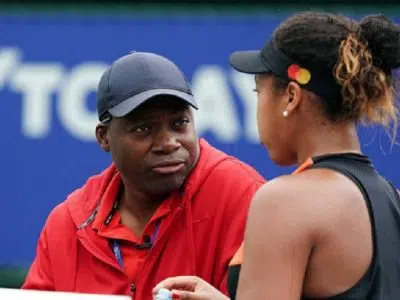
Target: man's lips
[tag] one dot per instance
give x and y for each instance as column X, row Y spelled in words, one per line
column 169, row 167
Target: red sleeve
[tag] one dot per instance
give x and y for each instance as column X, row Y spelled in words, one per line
column 233, row 230
column 40, row 276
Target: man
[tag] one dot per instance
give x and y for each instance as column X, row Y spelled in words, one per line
column 170, row 204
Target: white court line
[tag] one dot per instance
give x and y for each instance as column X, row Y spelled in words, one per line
column 15, row 294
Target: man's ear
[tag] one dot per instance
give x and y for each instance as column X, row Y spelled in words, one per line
column 102, row 136
column 294, row 96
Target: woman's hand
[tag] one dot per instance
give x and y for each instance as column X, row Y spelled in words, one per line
column 190, row 288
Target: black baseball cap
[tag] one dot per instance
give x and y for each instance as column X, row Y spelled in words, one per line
column 135, row 78
column 270, row 59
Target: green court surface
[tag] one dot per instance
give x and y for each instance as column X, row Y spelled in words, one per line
column 12, row 277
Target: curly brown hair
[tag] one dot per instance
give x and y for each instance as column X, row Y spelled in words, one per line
column 360, row 56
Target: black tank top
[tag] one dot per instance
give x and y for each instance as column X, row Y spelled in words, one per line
column 382, row 280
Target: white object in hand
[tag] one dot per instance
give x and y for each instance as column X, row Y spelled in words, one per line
column 163, row 294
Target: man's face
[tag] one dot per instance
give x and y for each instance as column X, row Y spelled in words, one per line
column 156, row 146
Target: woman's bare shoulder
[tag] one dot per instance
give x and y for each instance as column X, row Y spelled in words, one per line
column 316, row 196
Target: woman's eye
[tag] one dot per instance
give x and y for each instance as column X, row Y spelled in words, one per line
column 182, row 122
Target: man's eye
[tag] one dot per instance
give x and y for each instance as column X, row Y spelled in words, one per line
column 141, row 129
column 255, row 90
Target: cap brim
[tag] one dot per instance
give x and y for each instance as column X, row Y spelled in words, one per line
column 249, row 62
column 128, row 105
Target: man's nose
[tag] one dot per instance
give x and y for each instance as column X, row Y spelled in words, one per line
column 166, row 142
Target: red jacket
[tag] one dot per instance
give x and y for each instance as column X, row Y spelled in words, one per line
column 199, row 238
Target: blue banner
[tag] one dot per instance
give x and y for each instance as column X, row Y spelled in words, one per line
column 49, row 70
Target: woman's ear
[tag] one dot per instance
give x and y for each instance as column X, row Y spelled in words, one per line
column 294, row 95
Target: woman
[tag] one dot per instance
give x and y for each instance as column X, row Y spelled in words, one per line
column 332, row 229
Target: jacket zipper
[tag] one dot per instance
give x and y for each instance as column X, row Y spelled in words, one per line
column 155, row 249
